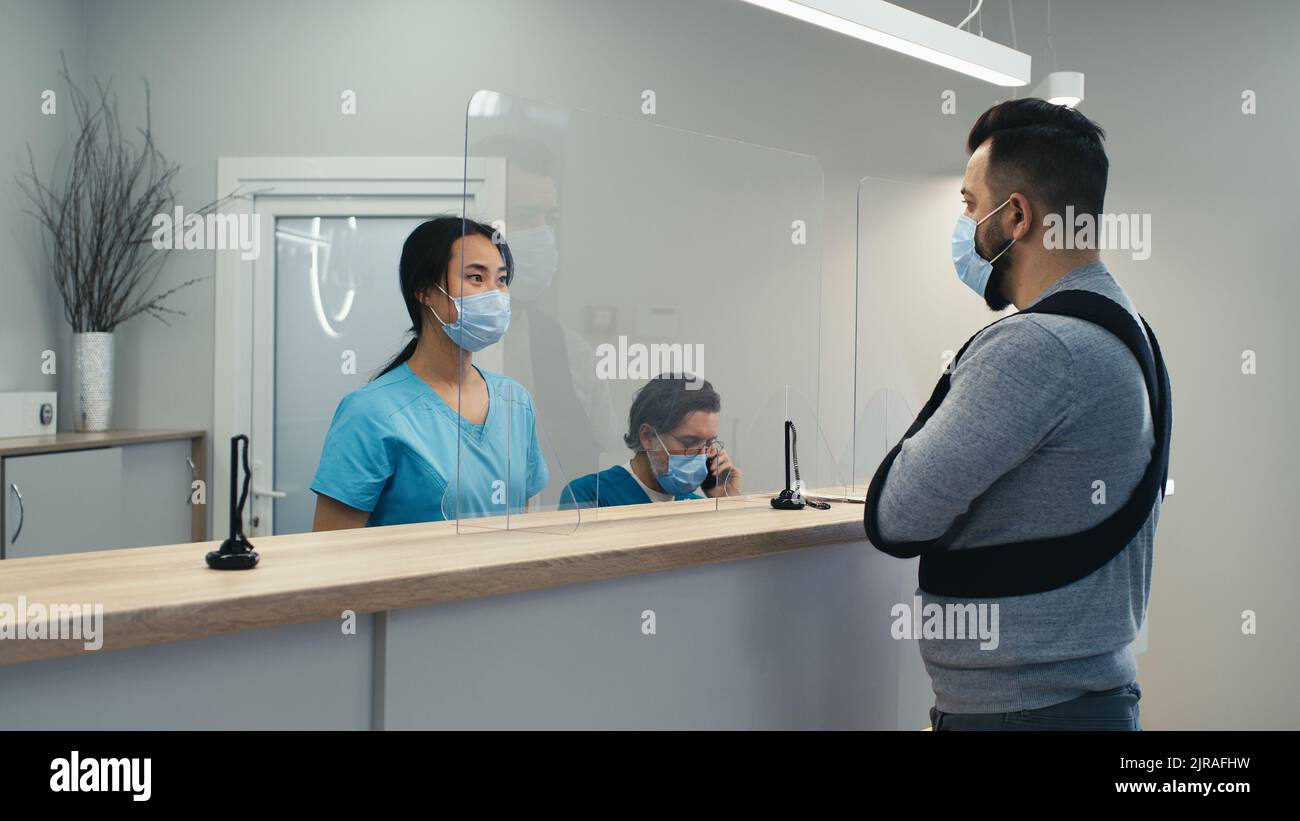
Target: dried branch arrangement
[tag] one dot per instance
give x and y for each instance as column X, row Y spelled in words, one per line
column 97, row 218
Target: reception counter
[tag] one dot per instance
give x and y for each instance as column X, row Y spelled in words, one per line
column 644, row 617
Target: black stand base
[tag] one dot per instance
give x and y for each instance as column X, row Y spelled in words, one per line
column 789, row 500
column 235, row 554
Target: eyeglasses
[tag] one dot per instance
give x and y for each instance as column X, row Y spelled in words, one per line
column 710, row 447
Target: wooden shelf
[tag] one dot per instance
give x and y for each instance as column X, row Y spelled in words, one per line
column 57, row 442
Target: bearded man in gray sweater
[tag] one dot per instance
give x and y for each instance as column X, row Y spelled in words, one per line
column 1030, row 485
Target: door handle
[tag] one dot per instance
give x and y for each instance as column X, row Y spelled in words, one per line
column 194, row 474
column 255, row 518
column 21, row 515
column 265, row 492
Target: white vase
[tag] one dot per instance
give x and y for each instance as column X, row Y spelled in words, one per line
column 93, row 359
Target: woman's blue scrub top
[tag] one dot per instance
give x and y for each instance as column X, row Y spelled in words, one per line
column 394, row 444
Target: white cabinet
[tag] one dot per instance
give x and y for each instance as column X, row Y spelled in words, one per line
column 70, row 493
column 156, row 493
column 63, row 502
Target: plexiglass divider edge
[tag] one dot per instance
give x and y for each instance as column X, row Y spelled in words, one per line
column 664, row 292
column 911, row 310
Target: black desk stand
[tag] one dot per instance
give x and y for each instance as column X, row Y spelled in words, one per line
column 236, row 552
column 790, row 498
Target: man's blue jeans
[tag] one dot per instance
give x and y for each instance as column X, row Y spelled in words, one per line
column 1115, row 709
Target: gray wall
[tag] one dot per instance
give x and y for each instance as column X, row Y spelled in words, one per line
column 249, row 78
column 31, row 315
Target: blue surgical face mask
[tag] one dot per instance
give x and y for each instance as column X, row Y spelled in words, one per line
column 972, row 268
column 536, row 258
column 684, row 473
column 481, row 319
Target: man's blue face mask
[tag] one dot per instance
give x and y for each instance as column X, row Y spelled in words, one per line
column 972, row 268
column 536, row 260
column 685, row 473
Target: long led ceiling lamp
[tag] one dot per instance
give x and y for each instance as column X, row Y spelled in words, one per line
column 916, row 35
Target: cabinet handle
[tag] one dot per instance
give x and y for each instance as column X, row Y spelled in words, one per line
column 13, row 487
column 194, row 474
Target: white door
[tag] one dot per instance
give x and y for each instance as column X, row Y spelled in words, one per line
column 317, row 314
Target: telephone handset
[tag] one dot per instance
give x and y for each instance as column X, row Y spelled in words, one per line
column 710, row 481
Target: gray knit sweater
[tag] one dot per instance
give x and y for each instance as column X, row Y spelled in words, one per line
column 1046, row 431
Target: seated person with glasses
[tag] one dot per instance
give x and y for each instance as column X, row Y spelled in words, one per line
column 672, row 433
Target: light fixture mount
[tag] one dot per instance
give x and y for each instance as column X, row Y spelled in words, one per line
column 1062, row 88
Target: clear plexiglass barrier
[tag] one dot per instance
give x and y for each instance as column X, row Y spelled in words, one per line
column 664, row 317
column 912, row 312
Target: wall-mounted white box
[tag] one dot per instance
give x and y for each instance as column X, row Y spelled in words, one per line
column 29, row 414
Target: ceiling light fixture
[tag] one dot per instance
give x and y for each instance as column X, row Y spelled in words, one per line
column 884, row 24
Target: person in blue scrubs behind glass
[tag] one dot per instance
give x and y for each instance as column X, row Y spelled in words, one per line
column 673, row 435
column 433, row 436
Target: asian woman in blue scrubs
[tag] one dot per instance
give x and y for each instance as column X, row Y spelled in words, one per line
column 434, row 436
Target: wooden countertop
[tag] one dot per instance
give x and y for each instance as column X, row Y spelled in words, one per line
column 152, row 595
column 71, row 440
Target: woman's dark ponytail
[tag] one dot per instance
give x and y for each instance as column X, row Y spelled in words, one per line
column 426, row 255
column 403, row 355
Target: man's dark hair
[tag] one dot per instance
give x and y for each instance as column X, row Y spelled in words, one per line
column 1047, row 151
column 665, row 401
